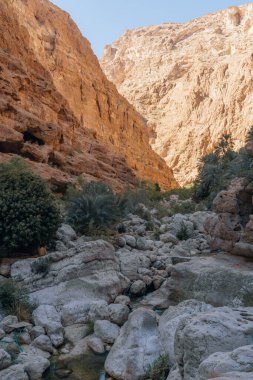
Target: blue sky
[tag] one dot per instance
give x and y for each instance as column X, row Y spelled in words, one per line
column 104, row 21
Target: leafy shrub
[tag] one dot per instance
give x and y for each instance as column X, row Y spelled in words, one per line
column 145, row 193
column 94, row 207
column 41, row 265
column 160, row 369
column 149, row 225
column 14, row 302
column 29, row 216
column 156, row 233
column 211, row 178
column 183, row 233
column 185, row 207
column 121, row 228
column 90, row 327
column 161, row 210
column 219, row 168
column 143, row 213
column 182, row 193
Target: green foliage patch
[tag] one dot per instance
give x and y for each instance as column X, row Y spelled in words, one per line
column 218, row 169
column 183, row 233
column 94, row 207
column 160, row 369
column 29, row 215
column 41, row 265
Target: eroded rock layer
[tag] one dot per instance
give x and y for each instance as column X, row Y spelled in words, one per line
column 192, row 82
column 57, row 108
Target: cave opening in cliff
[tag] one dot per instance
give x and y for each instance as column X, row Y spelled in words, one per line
column 29, row 137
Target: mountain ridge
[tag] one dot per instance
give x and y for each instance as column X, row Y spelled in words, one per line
column 192, row 82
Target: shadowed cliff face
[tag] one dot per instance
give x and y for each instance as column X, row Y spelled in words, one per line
column 58, row 110
column 192, row 82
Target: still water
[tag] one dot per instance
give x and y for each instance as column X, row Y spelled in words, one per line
column 86, row 367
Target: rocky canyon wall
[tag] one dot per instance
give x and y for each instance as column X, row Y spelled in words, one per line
column 58, row 110
column 192, row 82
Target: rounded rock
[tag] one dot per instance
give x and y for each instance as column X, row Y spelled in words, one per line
column 138, row 288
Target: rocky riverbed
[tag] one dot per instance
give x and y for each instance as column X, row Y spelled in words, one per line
column 99, row 298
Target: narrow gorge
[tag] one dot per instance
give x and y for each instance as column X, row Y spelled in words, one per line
column 126, row 195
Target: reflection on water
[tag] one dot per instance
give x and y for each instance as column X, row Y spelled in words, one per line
column 86, row 367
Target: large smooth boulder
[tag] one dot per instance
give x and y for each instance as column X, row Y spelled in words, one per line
column 15, row 372
column 217, row 330
column 98, row 310
column 138, row 288
column 88, row 272
column 75, row 333
column 45, row 314
column 220, row 363
column 106, row 331
column 44, row 343
column 118, row 313
column 137, row 347
column 169, row 238
column 123, row 300
column 66, row 234
column 226, row 202
column 96, row 344
column 221, row 280
column 75, row 312
column 131, row 261
column 170, row 320
column 34, row 365
column 55, row 331
column 199, row 218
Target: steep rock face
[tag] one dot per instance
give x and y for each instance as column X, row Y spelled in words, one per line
column 57, row 108
column 192, row 82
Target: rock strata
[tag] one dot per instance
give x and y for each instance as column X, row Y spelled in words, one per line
column 59, row 111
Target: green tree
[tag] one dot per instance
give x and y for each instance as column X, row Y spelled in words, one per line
column 29, row 216
column 94, row 206
column 213, row 168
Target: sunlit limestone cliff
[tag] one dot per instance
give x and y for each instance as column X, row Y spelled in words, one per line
column 58, row 110
column 192, row 82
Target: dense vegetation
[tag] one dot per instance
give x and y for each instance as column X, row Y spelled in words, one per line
column 29, row 216
column 93, row 207
column 219, row 168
